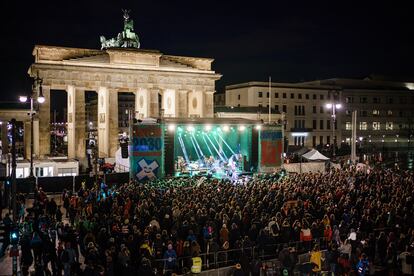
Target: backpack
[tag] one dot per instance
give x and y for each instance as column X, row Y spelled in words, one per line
column 65, row 256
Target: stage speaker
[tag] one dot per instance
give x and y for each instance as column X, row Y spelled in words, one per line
column 169, row 153
column 255, row 149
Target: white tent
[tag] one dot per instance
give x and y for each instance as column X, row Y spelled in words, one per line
column 314, row 155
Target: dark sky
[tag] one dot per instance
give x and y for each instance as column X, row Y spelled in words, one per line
column 289, row 40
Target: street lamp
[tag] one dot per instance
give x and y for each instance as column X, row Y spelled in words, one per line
column 36, row 95
column 333, row 107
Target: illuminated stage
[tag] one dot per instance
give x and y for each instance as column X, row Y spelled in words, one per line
column 222, row 151
column 216, row 147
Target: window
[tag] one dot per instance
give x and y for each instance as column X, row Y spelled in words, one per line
column 44, row 171
column 389, row 126
column 364, row 113
column 300, row 110
column 401, row 113
column 321, row 124
column 238, row 97
column 376, row 126
column 403, row 100
column 363, row 99
column 328, row 124
column 363, row 125
column 260, row 105
column 328, row 139
column 376, row 100
column 284, row 108
column 321, row 97
column 284, row 95
column 348, row 112
column 292, row 96
column 321, row 109
column 375, row 112
column 260, row 94
column 276, row 107
column 314, row 109
column 389, row 112
column 299, row 96
column 349, row 99
column 314, row 141
column 320, row 140
column 314, row 124
column 67, row 171
column 307, row 96
column 276, row 95
column 267, row 94
column 348, row 126
column 390, row 100
column 314, row 96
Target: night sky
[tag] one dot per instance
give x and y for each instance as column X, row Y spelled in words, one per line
column 289, row 40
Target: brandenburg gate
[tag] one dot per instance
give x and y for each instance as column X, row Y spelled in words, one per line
column 180, row 86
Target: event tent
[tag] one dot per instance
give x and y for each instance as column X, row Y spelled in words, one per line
column 314, row 155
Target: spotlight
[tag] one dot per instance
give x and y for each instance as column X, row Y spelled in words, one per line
column 226, row 128
column 258, row 127
column 171, row 127
column 329, row 105
column 242, row 128
column 207, row 127
column 23, row 99
column 41, row 99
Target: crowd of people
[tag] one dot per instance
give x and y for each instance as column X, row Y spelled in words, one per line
column 364, row 219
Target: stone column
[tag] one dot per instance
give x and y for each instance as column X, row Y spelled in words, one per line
column 5, row 139
column 26, row 139
column 36, row 137
column 182, row 103
column 76, row 123
column 107, row 122
column 113, row 123
column 142, row 103
column 153, row 102
column 208, row 105
column 44, row 125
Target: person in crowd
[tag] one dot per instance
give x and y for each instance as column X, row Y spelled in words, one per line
column 363, row 265
column 132, row 226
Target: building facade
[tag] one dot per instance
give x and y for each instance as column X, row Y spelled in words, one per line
column 174, row 85
column 385, row 110
column 307, row 122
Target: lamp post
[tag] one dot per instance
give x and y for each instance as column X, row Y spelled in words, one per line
column 333, row 107
column 37, row 94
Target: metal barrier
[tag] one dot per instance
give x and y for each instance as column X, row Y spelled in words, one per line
column 225, row 258
column 56, row 184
